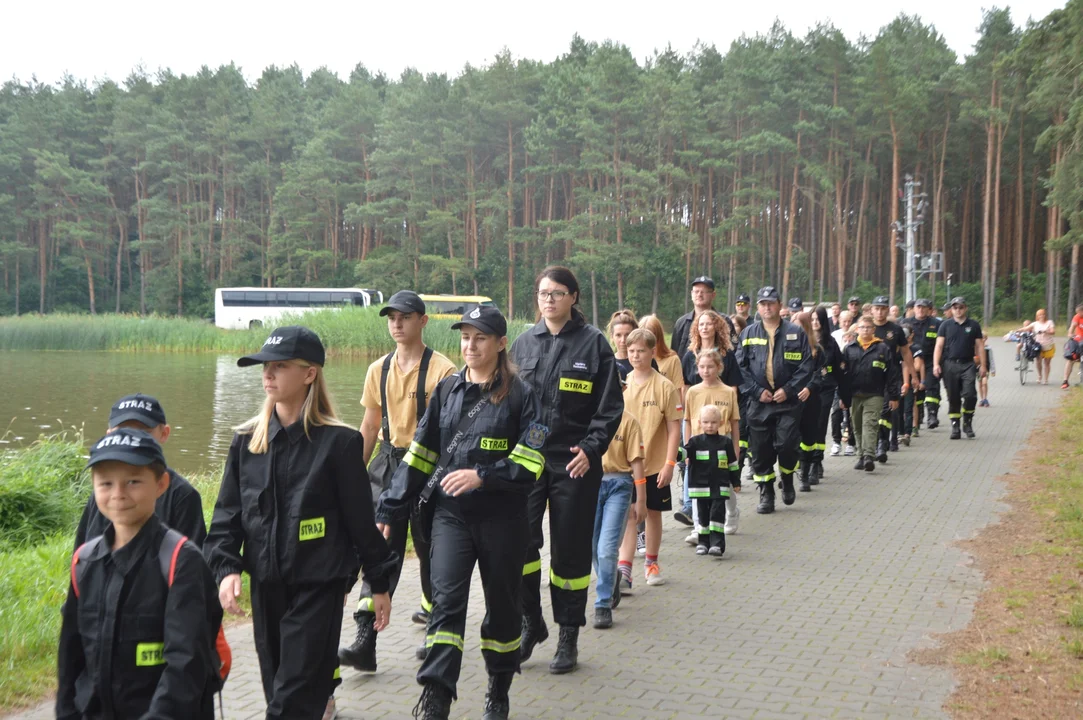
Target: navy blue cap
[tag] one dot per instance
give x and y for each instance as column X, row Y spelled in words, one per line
column 139, row 407
column 853, row 299
column 743, row 298
column 958, row 300
column 881, row 300
column 292, row 342
column 126, row 445
column 767, row 293
column 487, row 319
column 922, row 302
column 405, row 301
column 795, row 304
column 703, row 280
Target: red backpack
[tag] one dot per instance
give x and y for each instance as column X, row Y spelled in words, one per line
column 167, row 561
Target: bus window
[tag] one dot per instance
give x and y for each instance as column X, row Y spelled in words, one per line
column 319, row 298
column 255, row 298
column 232, row 299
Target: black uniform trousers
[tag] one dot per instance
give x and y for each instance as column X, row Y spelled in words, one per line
column 496, row 544
column 840, row 419
column 911, row 404
column 397, row 542
column 773, row 435
column 959, row 382
column 572, row 504
column 713, row 509
column 742, row 427
column 297, row 629
column 932, row 390
column 815, row 419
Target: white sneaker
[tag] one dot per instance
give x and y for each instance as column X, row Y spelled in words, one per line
column 733, row 516
column 693, row 538
column 746, row 475
column 654, row 575
column 835, row 449
column 850, row 450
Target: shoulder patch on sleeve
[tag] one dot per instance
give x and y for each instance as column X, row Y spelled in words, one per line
column 536, row 435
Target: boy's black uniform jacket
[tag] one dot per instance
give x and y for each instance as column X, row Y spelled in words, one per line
column 503, row 444
column 302, row 510
column 870, row 371
column 793, row 362
column 179, row 507
column 130, row 645
column 828, row 372
column 712, row 462
column 925, row 332
column 575, row 377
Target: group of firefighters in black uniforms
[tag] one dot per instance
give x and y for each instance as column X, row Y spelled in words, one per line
column 472, row 459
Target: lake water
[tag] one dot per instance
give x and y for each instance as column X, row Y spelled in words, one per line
column 204, row 396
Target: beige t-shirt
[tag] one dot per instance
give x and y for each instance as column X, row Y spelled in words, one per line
column 671, row 368
column 625, row 447
column 402, row 416
column 654, row 403
column 699, row 396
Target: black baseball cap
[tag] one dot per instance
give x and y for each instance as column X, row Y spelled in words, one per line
column 854, row 299
column 910, row 304
column 139, row 407
column 405, row 301
column 487, row 319
column 795, row 304
column 922, row 302
column 126, row 445
column 703, row 280
column 743, row 298
column 881, row 300
column 958, row 300
column 292, row 342
column 767, row 293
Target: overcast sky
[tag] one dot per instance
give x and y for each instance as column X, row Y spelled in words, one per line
column 96, row 40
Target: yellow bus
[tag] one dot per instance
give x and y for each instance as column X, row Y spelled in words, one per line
column 453, row 306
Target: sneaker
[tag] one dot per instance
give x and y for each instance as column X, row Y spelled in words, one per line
column 653, row 574
column 625, row 585
column 1064, row 386
column 835, row 449
column 715, row 551
column 850, row 451
column 905, row 440
column 746, row 474
column 641, row 543
column 421, row 617
column 701, row 549
column 693, row 538
column 603, row 618
column 330, row 712
column 684, row 516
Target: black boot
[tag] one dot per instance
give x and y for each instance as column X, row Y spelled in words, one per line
column 767, row 498
column 881, row 450
column 567, row 656
column 361, row 655
column 968, row 425
column 868, row 463
column 816, row 473
column 422, row 651
column 803, row 477
column 497, row 704
column 534, row 632
column 788, row 495
column 955, row 429
column 860, row 465
column 434, row 704
column 933, row 422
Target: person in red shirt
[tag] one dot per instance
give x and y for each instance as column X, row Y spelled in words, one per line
column 1074, row 348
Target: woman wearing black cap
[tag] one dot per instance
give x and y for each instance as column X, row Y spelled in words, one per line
column 295, row 496
column 474, row 459
column 571, row 367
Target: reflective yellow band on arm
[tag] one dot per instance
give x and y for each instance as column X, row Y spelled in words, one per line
column 532, row 567
column 423, row 452
column 580, row 583
column 418, row 463
column 529, row 459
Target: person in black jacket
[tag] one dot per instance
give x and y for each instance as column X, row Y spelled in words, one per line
column 133, row 645
column 712, row 471
column 180, row 506
column 809, row 427
column 703, row 294
column 296, row 497
column 776, row 363
column 927, row 401
column 570, row 366
column 478, row 488
column 872, row 376
column 829, row 374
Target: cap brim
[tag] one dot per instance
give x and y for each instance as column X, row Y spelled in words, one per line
column 478, row 326
column 386, row 309
column 129, row 415
column 262, row 357
column 121, row 454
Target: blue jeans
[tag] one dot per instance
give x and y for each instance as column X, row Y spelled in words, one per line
column 614, row 498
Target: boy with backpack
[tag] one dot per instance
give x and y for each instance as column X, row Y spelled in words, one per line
column 132, row 645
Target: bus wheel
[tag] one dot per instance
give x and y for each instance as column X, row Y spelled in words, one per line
column 255, row 324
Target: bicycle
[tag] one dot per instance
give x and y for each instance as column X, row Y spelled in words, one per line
column 1028, row 350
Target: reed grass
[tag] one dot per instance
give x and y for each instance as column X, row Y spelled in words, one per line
column 43, row 488
column 346, row 332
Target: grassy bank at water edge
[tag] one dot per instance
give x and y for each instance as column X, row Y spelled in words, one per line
column 350, row 331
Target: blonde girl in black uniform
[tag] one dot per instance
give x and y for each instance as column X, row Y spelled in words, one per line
column 295, row 497
column 475, row 458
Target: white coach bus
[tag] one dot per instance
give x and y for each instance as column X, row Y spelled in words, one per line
column 247, row 307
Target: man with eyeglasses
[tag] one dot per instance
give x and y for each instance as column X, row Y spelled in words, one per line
column 703, row 294
column 776, row 364
column 959, row 341
column 741, row 307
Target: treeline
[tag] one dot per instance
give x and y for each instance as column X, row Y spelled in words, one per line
column 781, row 161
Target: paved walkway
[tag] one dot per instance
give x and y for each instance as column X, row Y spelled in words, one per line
column 811, row 613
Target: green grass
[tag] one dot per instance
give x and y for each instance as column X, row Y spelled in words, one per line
column 350, row 331
column 42, row 490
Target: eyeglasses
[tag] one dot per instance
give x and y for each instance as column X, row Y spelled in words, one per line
column 558, row 295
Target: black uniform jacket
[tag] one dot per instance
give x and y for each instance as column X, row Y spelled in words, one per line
column 925, row 336
column 829, row 367
column 793, row 361
column 712, row 462
column 130, row 645
column 180, row 507
column 870, row 371
column 302, row 511
column 575, row 377
column 504, row 444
